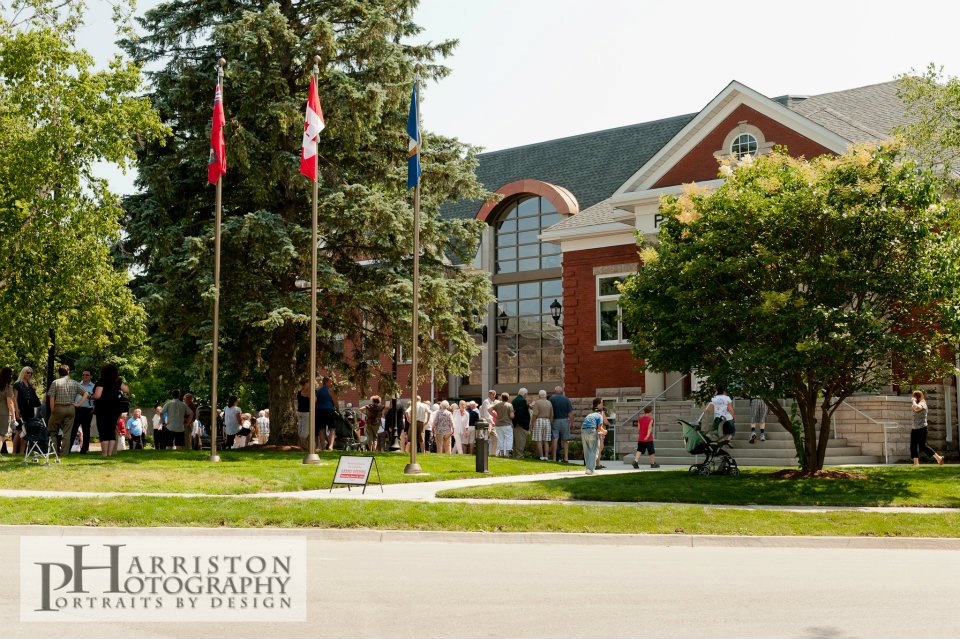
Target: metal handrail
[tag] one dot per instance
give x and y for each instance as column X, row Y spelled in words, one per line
column 884, row 426
column 653, row 400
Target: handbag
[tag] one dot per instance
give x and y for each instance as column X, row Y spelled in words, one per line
column 77, row 442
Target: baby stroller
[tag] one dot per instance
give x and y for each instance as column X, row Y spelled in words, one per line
column 39, row 445
column 347, row 438
column 716, row 460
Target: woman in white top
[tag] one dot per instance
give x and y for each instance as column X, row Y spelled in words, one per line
column 461, row 421
column 918, row 434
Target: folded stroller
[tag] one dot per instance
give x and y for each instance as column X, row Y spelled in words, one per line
column 39, row 445
column 716, row 460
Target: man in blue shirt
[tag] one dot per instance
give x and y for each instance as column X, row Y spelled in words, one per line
column 560, row 427
column 137, row 426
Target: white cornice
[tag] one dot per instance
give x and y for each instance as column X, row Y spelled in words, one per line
column 595, row 230
column 633, row 198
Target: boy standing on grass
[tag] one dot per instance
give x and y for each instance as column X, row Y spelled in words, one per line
column 645, row 439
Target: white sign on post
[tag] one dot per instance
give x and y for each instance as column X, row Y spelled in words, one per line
column 355, row 471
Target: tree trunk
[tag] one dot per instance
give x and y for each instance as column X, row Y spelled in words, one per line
column 282, row 385
column 805, row 439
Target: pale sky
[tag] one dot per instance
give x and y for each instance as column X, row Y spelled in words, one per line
column 533, row 70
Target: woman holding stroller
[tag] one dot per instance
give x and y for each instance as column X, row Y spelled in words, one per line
column 26, row 401
column 7, row 407
column 724, row 427
column 107, row 408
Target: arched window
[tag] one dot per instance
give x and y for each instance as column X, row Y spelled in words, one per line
column 518, row 249
column 744, row 144
column 526, row 282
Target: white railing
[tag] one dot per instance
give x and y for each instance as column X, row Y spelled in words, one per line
column 653, row 401
column 884, row 427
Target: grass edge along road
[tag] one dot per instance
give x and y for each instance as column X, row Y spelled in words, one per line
column 240, row 471
column 457, row 516
column 905, row 485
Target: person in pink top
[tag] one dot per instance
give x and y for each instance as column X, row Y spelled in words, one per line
column 645, row 440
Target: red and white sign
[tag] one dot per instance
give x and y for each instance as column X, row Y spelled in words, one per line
column 353, row 470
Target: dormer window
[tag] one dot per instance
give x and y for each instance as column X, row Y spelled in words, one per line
column 743, row 145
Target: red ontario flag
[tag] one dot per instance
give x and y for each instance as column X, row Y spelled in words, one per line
column 312, row 127
column 218, row 148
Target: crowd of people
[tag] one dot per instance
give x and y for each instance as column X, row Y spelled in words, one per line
column 449, row 426
column 70, row 408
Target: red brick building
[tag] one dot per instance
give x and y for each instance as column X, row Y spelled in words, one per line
column 563, row 232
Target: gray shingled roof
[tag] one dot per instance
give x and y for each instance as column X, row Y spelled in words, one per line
column 599, row 213
column 594, row 165
column 863, row 114
column 591, row 166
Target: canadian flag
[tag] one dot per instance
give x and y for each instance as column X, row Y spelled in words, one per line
column 217, row 166
column 311, row 130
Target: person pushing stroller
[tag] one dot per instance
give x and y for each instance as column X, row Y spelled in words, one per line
column 724, row 426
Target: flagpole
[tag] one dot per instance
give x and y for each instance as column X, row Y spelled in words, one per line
column 214, row 457
column 312, row 457
column 413, row 468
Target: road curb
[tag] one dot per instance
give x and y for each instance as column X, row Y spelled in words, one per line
column 578, row 539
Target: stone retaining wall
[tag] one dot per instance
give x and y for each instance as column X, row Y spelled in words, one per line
column 848, row 424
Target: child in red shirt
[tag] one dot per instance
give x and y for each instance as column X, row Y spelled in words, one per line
column 645, row 440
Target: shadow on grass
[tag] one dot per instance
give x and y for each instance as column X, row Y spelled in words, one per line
column 883, row 486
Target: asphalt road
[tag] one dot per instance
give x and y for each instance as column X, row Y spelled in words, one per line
column 423, row 585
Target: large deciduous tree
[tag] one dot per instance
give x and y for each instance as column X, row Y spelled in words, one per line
column 932, row 130
column 60, row 117
column 366, row 73
column 812, row 280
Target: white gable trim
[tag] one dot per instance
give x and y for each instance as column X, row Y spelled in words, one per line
column 605, row 229
column 734, row 95
column 646, row 196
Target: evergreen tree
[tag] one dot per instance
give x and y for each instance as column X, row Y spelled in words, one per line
column 364, row 83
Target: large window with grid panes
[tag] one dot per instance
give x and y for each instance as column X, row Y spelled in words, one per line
column 610, row 328
column 526, row 278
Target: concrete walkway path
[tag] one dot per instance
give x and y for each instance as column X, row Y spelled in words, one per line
column 426, row 491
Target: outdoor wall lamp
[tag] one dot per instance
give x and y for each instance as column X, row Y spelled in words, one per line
column 556, row 309
column 502, row 320
column 481, row 331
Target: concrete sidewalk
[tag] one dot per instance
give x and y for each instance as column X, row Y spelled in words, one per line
column 426, row 491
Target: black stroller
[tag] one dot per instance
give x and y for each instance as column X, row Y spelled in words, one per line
column 716, row 460
column 348, row 438
column 39, row 444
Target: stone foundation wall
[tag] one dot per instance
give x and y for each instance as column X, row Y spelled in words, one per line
column 848, row 424
column 869, row 436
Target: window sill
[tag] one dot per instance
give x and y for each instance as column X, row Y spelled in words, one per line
column 611, row 347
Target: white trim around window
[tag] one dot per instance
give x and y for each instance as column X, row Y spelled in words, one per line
column 606, row 303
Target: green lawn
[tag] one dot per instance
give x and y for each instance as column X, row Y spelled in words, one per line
column 396, row 515
column 239, row 472
column 883, row 486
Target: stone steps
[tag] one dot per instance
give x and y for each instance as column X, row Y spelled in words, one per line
column 789, row 462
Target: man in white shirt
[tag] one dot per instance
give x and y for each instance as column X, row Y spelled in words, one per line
column 422, row 419
column 263, row 426
column 722, row 408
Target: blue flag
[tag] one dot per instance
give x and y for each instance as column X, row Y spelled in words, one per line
column 413, row 147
